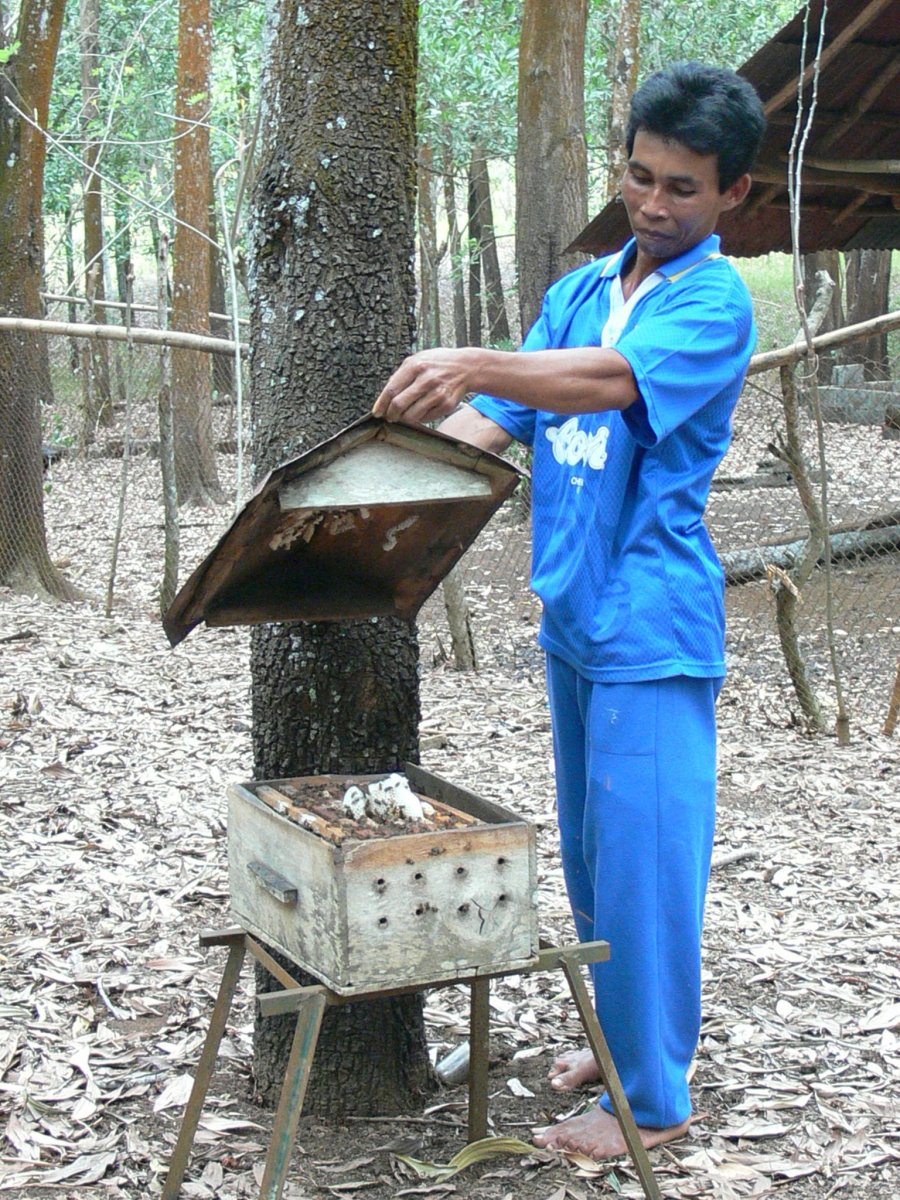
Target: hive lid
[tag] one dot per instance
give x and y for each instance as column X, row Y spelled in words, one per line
column 365, row 524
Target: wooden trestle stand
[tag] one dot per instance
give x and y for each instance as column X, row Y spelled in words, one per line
column 309, row 1004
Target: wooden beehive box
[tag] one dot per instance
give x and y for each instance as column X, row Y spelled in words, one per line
column 383, row 912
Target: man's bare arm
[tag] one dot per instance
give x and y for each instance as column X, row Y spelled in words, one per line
column 432, row 383
column 467, row 424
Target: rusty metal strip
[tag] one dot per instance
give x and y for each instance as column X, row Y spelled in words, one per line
column 479, row 1057
column 293, row 1091
column 205, row 1067
column 568, row 960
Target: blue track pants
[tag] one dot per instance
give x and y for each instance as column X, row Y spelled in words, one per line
column 636, row 779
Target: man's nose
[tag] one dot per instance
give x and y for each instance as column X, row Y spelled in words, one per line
column 654, row 204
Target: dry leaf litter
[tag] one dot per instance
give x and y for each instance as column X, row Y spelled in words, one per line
column 115, row 753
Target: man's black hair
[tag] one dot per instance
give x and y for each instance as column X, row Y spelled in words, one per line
column 710, row 110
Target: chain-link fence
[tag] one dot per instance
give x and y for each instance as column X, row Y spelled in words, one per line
column 761, row 531
column 103, row 497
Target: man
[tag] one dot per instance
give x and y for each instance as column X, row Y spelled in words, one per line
column 625, row 391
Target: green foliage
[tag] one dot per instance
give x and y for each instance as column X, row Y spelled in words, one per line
column 7, row 52
column 468, row 68
column 136, row 81
column 468, row 63
column 770, row 280
column 726, row 33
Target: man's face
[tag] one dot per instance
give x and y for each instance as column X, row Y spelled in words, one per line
column 672, row 197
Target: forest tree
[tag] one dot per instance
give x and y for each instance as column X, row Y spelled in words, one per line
column 332, row 313
column 25, row 81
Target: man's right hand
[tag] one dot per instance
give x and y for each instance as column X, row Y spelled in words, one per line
column 427, row 386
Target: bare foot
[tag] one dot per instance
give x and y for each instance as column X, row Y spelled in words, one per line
column 573, row 1069
column 598, row 1135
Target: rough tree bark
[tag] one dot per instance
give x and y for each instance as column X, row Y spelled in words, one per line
column 195, row 460
column 332, row 313
column 24, row 365
column 551, row 159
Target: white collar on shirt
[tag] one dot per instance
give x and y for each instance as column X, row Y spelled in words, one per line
column 620, row 308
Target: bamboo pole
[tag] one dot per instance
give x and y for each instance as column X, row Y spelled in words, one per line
column 118, row 333
column 768, row 361
column 825, row 341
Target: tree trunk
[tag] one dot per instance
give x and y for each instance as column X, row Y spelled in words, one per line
column 458, row 620
column 122, row 253
column 24, row 364
column 95, row 384
column 172, row 532
column 429, row 325
column 70, row 287
column 623, row 75
column 868, row 289
column 473, row 244
column 219, row 302
column 551, row 159
column 332, row 313
column 498, row 325
column 830, row 261
column 195, row 462
column 454, row 244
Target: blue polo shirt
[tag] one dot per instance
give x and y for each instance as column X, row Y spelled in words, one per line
column 630, row 583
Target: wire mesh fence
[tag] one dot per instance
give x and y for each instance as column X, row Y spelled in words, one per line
column 103, row 500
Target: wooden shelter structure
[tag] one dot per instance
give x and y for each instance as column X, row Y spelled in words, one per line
column 850, row 195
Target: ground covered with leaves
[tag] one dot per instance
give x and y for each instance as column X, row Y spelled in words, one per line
column 115, row 753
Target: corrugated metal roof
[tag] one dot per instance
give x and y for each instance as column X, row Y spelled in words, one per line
column 850, row 195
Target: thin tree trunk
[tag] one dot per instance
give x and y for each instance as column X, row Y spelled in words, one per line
column 473, row 243
column 70, row 287
column 24, row 363
column 124, row 273
column 868, row 283
column 95, row 379
column 830, row 261
column 222, row 366
column 429, row 298
column 458, row 620
column 122, row 218
column 454, row 243
column 623, row 75
column 195, row 461
column 551, row 159
column 498, row 324
column 172, row 533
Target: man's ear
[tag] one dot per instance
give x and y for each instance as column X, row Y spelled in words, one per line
column 737, row 193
